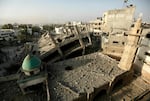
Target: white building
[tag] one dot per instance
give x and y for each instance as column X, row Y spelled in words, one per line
column 95, row 26
column 74, row 23
column 59, row 30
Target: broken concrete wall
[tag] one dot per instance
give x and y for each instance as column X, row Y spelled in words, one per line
column 131, row 47
column 118, row 19
column 55, row 47
column 116, row 24
column 90, row 74
column 142, row 59
column 115, row 45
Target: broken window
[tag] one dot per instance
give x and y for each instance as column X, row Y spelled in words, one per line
column 115, row 42
column 138, row 31
column 148, row 35
column 132, row 25
column 147, row 53
column 123, row 43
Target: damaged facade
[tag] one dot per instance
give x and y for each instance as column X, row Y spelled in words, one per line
column 61, row 46
column 116, row 24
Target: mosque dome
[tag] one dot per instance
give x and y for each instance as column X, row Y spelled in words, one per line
column 31, row 63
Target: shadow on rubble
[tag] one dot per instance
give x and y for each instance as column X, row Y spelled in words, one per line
column 96, row 45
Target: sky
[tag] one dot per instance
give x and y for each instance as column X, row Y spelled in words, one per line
column 62, row 11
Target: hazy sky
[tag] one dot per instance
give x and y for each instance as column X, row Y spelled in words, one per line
column 60, row 11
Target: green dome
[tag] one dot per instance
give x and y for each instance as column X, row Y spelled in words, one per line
column 30, row 63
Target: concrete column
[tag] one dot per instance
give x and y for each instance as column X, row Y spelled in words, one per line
column 131, row 46
column 56, row 45
column 80, row 39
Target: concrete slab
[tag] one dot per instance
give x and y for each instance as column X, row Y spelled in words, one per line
column 78, row 79
column 85, row 75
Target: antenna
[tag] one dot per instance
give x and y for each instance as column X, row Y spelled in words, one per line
column 125, row 2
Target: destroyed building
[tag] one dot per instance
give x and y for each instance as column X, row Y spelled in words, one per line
column 95, row 26
column 61, row 46
column 116, row 24
column 91, row 77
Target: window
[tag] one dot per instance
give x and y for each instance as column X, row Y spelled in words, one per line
column 148, row 35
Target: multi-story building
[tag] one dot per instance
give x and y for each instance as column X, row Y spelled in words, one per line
column 95, row 26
